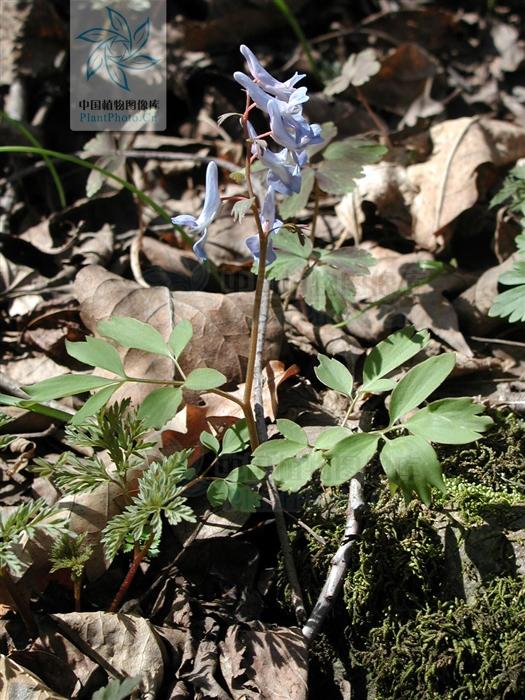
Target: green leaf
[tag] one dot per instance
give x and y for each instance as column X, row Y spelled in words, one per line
column 348, row 457
column 95, row 403
column 117, row 690
column 210, row 442
column 236, row 438
column 352, row 259
column 66, row 385
column 510, row 304
column 160, row 406
column 293, row 473
column 217, row 492
column 358, row 150
column 242, row 482
column 241, row 208
column 328, row 289
column 328, row 132
column 291, row 242
column 418, row 383
column 131, row 333
column 274, row 451
column 292, row 205
column 331, row 436
column 203, row 379
column 411, row 464
column 338, row 176
column 450, row 421
column 97, row 353
column 334, row 375
column 180, row 336
column 390, row 354
column 292, row 431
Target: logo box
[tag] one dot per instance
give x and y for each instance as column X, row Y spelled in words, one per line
column 118, row 65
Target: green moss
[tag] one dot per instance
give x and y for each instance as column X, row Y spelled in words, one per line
column 453, row 650
column 497, row 460
column 477, row 503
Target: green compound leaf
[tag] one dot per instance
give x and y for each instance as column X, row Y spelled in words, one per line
column 328, row 289
column 348, row 457
column 292, row 431
column 450, row 421
column 97, row 353
column 236, row 438
column 510, row 304
column 180, row 336
column 412, row 465
column 293, row 473
column 117, row 690
column 241, row 208
column 274, row 451
column 350, row 258
column 292, row 205
column 160, row 406
column 95, row 403
column 390, row 354
column 292, row 252
column 239, row 487
column 210, row 442
column 66, row 385
column 131, row 333
column 334, row 375
column 419, row 383
column 203, row 379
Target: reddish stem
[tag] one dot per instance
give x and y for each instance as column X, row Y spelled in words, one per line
column 138, row 556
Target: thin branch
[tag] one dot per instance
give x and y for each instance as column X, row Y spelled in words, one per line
column 339, row 563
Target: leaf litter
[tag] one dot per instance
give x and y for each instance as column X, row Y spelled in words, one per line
column 452, row 116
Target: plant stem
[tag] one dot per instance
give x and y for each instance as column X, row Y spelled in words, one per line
column 91, row 166
column 315, row 215
column 49, row 163
column 296, row 28
column 138, row 556
column 77, row 587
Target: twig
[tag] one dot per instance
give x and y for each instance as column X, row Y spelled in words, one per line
column 339, row 563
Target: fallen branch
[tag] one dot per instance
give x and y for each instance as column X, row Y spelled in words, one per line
column 339, row 563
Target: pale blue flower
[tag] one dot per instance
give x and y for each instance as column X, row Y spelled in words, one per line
column 269, row 225
column 212, row 204
column 283, row 91
column 295, row 134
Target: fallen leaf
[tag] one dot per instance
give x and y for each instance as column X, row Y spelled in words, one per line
column 123, row 645
column 263, row 663
column 221, row 325
column 17, row 682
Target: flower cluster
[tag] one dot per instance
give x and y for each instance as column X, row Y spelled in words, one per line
column 282, row 102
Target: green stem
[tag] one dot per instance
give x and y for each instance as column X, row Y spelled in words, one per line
column 282, row 6
column 35, row 142
column 44, row 152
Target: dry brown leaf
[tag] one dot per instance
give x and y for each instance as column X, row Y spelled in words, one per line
column 425, row 199
column 17, row 682
column 124, row 645
column 221, row 325
column 264, row 663
column 425, row 306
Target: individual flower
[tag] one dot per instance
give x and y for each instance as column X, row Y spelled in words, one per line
column 212, row 204
column 269, row 225
column 294, row 133
column 284, row 168
column 283, row 91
